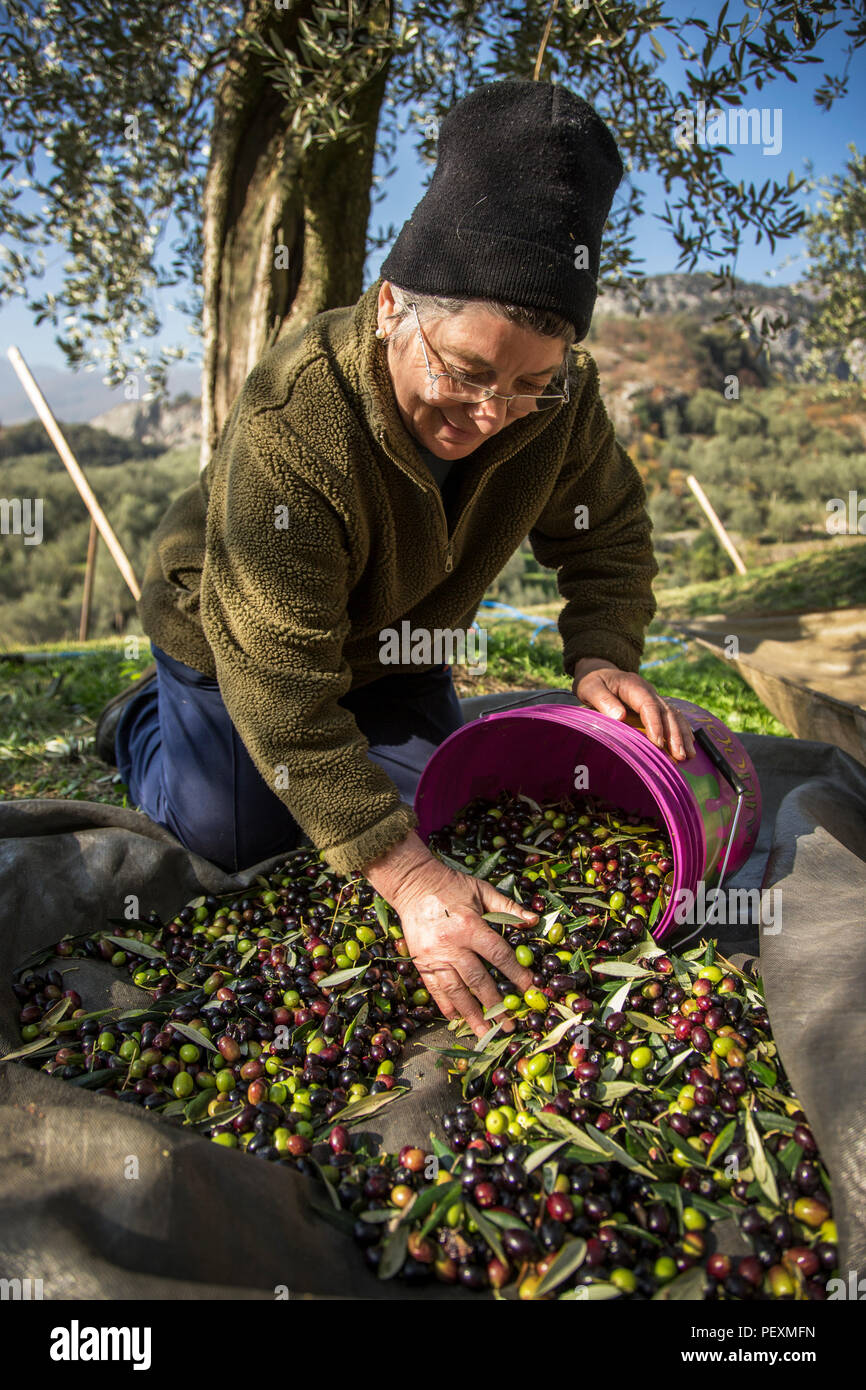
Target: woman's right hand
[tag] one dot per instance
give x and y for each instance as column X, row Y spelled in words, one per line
column 441, row 913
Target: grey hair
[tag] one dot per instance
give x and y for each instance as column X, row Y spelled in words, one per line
column 441, row 306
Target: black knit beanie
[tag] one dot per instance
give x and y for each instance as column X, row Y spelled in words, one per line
column 524, row 179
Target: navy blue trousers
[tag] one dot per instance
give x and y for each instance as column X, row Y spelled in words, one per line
column 188, row 769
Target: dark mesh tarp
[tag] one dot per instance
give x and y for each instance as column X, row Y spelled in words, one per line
column 201, row 1221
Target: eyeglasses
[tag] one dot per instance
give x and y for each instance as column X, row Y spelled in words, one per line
column 446, row 386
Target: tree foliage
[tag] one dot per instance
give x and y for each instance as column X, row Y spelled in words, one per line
column 836, row 241
column 118, row 100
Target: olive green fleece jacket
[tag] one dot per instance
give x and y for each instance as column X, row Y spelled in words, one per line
column 316, row 525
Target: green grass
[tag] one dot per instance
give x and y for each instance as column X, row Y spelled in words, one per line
column 836, row 579
column 697, row 676
column 48, row 712
column 48, row 715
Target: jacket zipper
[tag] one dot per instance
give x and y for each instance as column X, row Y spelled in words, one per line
column 448, row 544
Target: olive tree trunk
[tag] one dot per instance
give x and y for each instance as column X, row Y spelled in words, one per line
column 284, row 232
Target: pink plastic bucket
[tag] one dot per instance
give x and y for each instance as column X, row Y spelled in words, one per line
column 537, row 749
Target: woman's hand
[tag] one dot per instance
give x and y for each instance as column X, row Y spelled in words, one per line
column 614, row 692
column 441, row 913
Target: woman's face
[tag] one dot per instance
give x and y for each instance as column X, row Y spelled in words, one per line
column 517, row 359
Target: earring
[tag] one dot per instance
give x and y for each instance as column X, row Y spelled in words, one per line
column 380, row 332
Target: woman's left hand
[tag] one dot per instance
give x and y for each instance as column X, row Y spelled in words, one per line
column 614, row 692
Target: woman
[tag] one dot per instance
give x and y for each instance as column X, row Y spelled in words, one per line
column 319, row 527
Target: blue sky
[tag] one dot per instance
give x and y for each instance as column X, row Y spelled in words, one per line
column 807, row 133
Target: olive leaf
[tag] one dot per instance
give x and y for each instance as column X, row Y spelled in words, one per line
column 358, row 1021
column 569, row 1258
column 394, row 1249
column 673, row 1064
column 445, row 1155
column 194, row 1035
column 626, row 968
column 769, row 1121
column 548, row 920
column 488, row 1231
column 675, row 1140
column 613, row 1090
column 380, row 907
column 616, row 1000
column 55, row 1014
column 485, row 1059
column 340, row 977
column 648, row 1023
column 591, row 1293
column 70, row 1025
column 556, row 1034
column 379, row 1216
column 369, row 1105
column 441, row 1206
column 135, row 948
column 452, row 863
column 487, row 1038
column 763, row 1070
column 722, row 1142
column 174, row 1107
column 45, row 1045
column 790, row 1156
column 428, row 1198
column 225, row 1114
column 687, row 1286
column 764, row 1175
column 328, row 1186
column 488, row 862
column 503, row 918
column 594, row 1140
column 506, row 1220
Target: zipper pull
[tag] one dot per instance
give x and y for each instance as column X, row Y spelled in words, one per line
column 449, row 558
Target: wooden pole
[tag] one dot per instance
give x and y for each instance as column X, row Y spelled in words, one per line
column 88, row 582
column 101, row 521
column 716, row 524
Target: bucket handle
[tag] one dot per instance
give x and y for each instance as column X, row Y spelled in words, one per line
column 530, row 699
column 735, row 782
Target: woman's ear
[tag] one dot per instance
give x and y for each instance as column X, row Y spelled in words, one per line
column 387, row 307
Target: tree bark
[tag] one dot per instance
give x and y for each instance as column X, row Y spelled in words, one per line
column 262, row 194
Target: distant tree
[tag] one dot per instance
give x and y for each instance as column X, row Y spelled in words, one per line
column 700, row 411
column 836, row 240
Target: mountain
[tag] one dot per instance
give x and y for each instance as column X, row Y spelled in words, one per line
column 173, row 424
column 73, row 396
column 671, row 341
